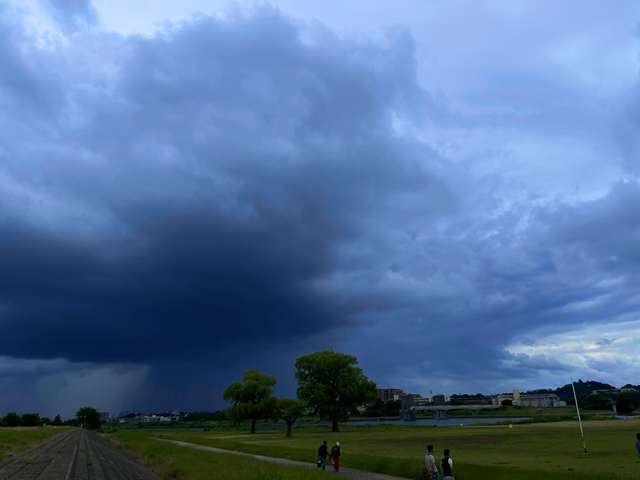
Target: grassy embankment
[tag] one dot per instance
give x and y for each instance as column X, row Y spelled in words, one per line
column 482, row 452
column 17, row 439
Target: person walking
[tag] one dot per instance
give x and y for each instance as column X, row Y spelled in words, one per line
column 446, row 464
column 638, row 443
column 430, row 463
column 335, row 455
column 322, row 453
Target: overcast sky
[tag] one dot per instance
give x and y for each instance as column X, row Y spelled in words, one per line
column 448, row 190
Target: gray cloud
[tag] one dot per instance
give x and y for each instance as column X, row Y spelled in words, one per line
column 73, row 14
column 230, row 188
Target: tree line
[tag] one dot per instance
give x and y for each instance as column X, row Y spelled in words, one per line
column 330, row 385
column 87, row 416
column 12, row 419
column 626, row 402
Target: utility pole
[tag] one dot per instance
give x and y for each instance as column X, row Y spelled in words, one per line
column 575, row 397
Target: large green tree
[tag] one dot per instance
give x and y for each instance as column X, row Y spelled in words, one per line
column 31, row 419
column 252, row 399
column 333, row 385
column 89, row 417
column 12, row 419
column 290, row 410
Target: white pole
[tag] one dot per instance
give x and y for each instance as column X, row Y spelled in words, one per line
column 575, row 397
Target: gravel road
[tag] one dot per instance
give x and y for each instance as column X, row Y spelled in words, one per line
column 74, row 455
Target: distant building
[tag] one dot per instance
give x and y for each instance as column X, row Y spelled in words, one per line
column 498, row 399
column 511, row 398
column 104, row 416
column 539, row 400
column 516, row 397
column 389, row 394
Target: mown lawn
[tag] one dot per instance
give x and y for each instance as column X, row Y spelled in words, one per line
column 480, row 452
column 17, row 439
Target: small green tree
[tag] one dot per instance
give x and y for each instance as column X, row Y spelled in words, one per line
column 31, row 419
column 89, row 417
column 290, row 410
column 506, row 403
column 57, row 420
column 12, row 419
column 333, row 385
column 252, row 399
column 45, row 421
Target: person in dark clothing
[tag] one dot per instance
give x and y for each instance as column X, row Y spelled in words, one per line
column 638, row 443
column 322, row 453
column 335, row 453
column 447, row 466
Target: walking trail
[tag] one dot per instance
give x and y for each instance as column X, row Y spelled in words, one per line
column 344, row 472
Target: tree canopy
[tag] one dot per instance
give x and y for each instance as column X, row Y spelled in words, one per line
column 31, row 419
column 290, row 410
column 333, row 385
column 252, row 399
column 90, row 417
column 12, row 419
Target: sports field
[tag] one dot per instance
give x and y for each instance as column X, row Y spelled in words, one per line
column 480, row 452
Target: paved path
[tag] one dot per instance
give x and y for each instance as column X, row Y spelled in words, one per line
column 74, row 455
column 344, row 472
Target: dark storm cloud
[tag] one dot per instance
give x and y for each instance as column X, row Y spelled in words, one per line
column 205, row 194
column 227, row 188
column 189, row 283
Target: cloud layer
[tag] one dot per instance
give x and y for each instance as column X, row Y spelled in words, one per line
column 227, row 188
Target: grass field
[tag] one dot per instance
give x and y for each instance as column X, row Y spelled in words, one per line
column 173, row 462
column 481, row 452
column 17, row 439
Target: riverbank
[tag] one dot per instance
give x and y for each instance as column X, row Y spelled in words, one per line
column 481, row 452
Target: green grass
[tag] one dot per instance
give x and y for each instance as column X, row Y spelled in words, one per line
column 173, row 462
column 17, row 439
column 480, row 452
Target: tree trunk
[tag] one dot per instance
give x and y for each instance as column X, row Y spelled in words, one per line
column 289, row 429
column 253, row 426
column 334, row 427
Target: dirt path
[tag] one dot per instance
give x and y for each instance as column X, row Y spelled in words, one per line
column 74, row 455
column 344, row 472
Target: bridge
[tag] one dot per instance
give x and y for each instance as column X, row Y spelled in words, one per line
column 440, row 412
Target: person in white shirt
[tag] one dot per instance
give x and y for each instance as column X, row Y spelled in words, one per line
column 430, row 463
